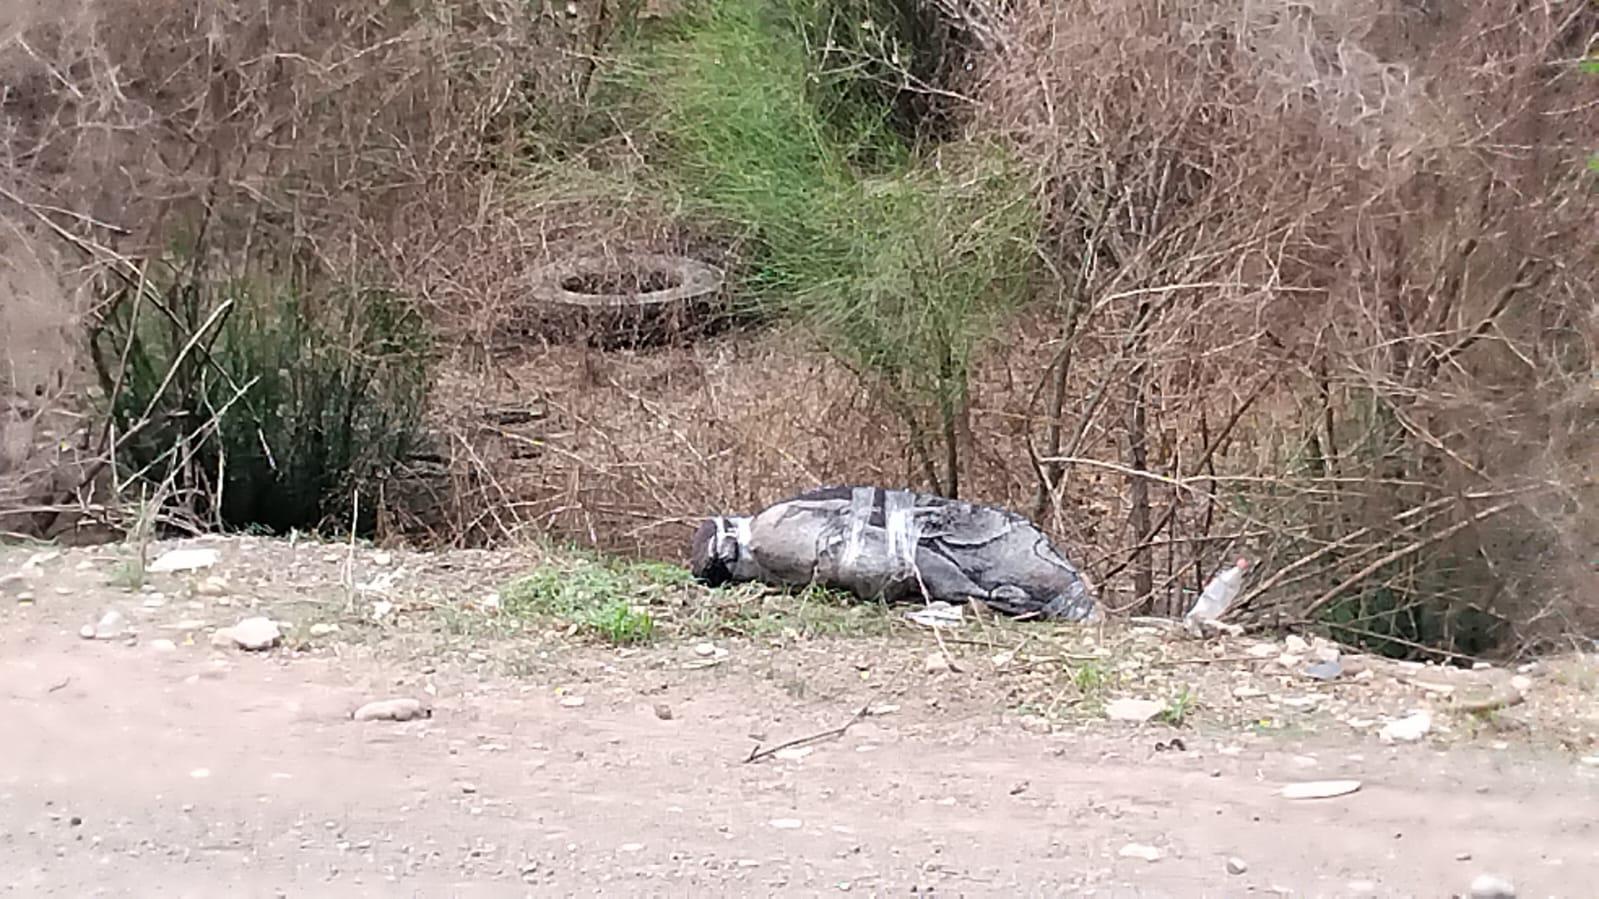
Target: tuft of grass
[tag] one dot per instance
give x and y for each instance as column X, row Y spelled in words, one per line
column 599, row 598
column 1179, row 707
column 264, row 399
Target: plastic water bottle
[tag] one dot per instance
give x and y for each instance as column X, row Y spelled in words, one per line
column 1219, row 593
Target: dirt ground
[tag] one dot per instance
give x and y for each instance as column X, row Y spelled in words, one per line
column 154, row 762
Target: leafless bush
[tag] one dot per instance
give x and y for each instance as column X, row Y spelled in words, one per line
column 1327, row 283
column 347, row 139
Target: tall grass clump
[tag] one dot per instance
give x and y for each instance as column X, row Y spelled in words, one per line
column 266, row 401
column 902, row 257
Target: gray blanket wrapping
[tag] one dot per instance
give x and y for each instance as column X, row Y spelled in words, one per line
column 898, row 546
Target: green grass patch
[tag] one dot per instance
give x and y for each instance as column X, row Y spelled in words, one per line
column 608, row 600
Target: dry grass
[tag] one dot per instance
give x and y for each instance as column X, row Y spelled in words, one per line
column 1322, row 291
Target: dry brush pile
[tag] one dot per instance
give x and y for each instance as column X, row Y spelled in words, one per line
column 1309, row 282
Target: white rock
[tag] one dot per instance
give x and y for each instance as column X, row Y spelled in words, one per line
column 253, row 634
column 1236, row 865
column 86, row 632
column 1139, row 850
column 1261, row 650
column 787, row 823
column 1133, row 709
column 381, row 608
column 163, row 645
column 631, row 847
column 1248, row 692
column 705, row 649
column 793, row 753
column 572, row 702
column 323, row 628
column 110, row 626
column 382, row 557
column 1591, row 761
column 1319, row 789
column 1521, row 682
column 1296, row 644
column 200, row 773
column 935, row 663
column 185, row 560
column 402, row 709
column 1408, row 729
column 1487, row 886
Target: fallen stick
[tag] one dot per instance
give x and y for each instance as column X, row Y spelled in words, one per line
column 757, row 753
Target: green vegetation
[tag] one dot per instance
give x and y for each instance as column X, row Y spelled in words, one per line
column 903, row 258
column 605, row 598
column 268, row 400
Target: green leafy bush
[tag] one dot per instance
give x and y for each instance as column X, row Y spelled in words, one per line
column 903, row 260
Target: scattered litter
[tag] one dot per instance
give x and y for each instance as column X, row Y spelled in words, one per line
column 1296, row 644
column 1134, row 709
column 253, row 634
column 1218, row 594
column 1319, row 789
column 212, row 586
column 185, row 560
column 1408, row 729
column 1325, row 670
column 1236, row 865
column 111, row 625
column 1261, row 650
column 937, row 614
column 709, row 655
column 402, row 709
column 381, row 608
column 787, row 823
column 1139, row 850
column 1487, row 886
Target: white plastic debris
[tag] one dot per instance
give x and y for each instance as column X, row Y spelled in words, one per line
column 1487, row 886
column 1218, row 594
column 1140, row 850
column 190, row 559
column 252, row 633
column 1408, row 729
column 1319, row 789
column 937, row 614
column 402, row 709
column 1133, row 709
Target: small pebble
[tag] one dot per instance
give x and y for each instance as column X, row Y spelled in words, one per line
column 1236, row 865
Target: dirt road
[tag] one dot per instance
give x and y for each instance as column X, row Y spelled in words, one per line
column 140, row 769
